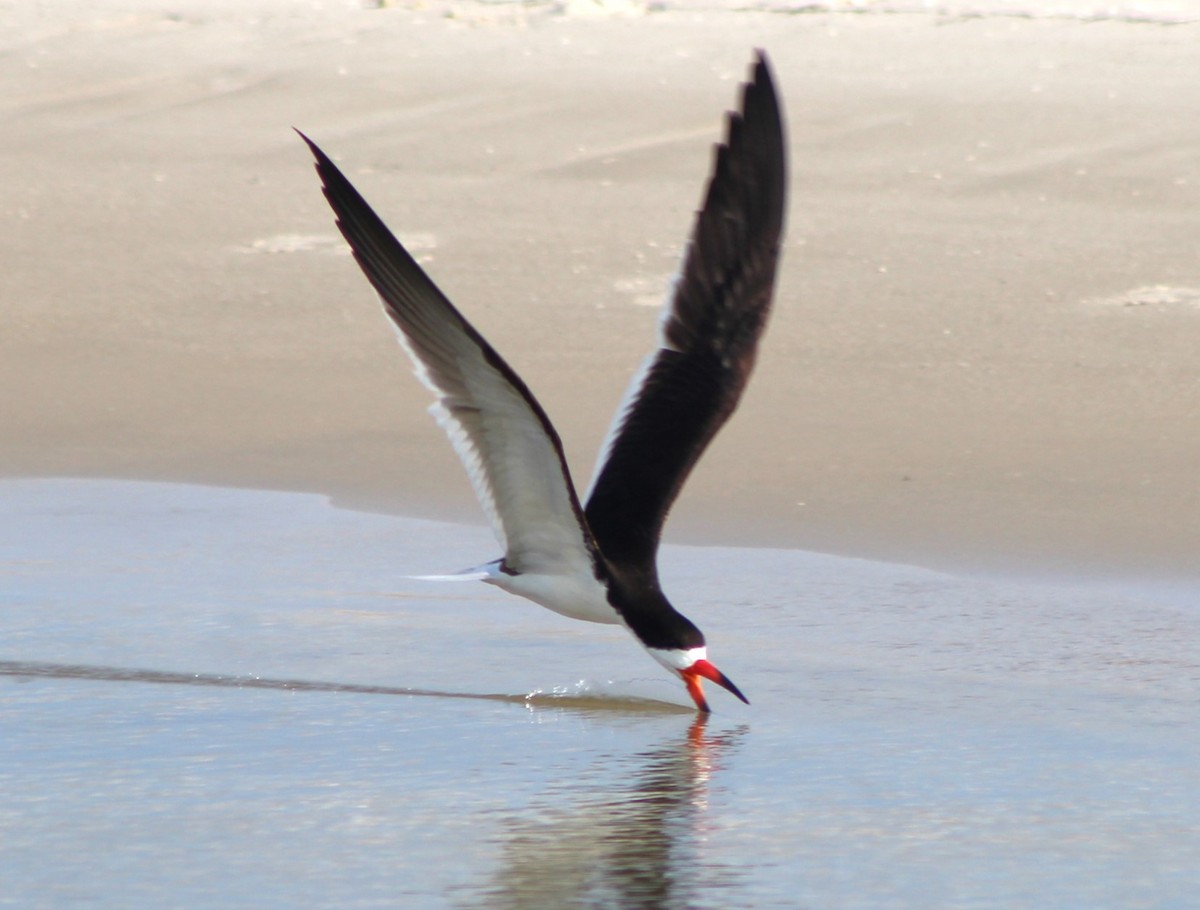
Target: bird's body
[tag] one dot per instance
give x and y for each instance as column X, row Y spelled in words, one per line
column 597, row 562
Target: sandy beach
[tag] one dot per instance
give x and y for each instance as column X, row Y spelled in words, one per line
column 986, row 345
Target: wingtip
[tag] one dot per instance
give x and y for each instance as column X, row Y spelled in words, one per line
column 319, row 155
column 762, row 81
column 762, row 72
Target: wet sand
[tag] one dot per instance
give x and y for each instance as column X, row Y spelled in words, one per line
column 984, row 352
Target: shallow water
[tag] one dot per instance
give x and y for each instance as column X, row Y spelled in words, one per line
column 228, row 698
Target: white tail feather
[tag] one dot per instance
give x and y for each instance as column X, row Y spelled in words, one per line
column 478, row 573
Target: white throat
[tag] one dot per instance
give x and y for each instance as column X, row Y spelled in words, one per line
column 677, row 659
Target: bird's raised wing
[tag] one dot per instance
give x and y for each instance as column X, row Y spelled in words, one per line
column 505, row 440
column 688, row 388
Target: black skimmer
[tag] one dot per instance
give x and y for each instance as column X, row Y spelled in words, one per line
column 597, row 562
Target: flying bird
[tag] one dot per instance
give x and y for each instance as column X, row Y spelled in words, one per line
column 597, row 561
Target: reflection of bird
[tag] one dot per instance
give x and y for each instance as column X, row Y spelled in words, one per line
column 598, row 562
column 628, row 833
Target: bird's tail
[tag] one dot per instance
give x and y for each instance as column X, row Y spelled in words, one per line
column 479, row 573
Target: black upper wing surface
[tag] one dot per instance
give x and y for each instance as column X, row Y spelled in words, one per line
column 709, row 336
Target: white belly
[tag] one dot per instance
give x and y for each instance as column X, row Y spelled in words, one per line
column 577, row 596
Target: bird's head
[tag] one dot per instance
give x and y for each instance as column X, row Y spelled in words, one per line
column 693, row 668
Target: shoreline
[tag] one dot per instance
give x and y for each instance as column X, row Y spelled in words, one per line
column 1173, row 586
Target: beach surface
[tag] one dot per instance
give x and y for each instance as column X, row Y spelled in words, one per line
column 985, row 348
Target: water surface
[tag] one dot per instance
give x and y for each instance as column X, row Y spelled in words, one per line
column 227, row 698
